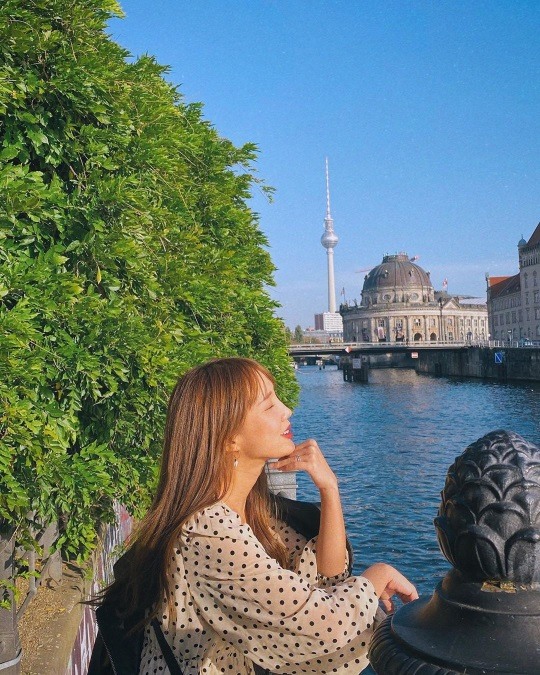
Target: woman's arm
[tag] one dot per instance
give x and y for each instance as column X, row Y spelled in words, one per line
column 331, row 542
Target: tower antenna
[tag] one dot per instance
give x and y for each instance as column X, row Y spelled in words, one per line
column 328, row 216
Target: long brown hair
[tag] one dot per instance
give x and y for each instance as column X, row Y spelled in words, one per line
column 206, row 410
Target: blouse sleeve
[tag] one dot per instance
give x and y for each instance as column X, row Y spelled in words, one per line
column 303, row 557
column 270, row 614
column 305, row 565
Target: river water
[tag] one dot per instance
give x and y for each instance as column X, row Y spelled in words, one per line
column 391, row 441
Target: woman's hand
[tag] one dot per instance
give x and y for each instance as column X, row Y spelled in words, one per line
column 307, row 456
column 331, row 541
column 388, row 582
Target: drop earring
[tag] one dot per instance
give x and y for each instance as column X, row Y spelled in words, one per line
column 235, row 463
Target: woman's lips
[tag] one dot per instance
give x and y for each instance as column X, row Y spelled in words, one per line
column 288, row 433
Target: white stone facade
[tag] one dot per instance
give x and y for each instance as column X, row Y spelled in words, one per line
column 400, row 304
column 514, row 301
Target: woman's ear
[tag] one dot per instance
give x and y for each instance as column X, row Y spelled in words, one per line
column 232, row 445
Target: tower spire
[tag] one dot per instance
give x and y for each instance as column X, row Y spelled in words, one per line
column 328, row 216
column 329, row 240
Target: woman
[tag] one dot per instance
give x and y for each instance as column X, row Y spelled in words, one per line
column 230, row 583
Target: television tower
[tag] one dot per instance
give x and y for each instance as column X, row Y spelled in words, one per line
column 329, row 240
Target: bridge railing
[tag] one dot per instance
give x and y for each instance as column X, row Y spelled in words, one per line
column 435, row 344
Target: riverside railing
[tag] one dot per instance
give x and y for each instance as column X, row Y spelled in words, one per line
column 338, row 347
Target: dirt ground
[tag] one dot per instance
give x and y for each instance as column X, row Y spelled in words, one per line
column 49, row 625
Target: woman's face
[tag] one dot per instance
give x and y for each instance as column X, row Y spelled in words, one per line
column 266, row 432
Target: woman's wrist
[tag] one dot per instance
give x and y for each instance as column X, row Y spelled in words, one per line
column 330, row 487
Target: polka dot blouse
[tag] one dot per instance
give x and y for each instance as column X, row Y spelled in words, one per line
column 233, row 604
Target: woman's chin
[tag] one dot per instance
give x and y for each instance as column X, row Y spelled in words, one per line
column 281, row 453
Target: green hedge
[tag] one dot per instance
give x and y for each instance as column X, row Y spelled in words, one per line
column 128, row 253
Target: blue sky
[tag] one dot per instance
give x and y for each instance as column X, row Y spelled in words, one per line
column 429, row 113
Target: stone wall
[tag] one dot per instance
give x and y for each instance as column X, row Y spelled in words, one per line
column 112, row 544
column 501, row 364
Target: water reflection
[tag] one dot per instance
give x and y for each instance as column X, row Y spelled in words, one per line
column 391, row 442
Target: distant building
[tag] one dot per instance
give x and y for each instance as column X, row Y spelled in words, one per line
column 399, row 303
column 514, row 301
column 331, row 322
column 504, row 307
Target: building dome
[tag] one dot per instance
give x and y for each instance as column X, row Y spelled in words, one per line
column 399, row 304
column 522, row 242
column 396, row 271
column 397, row 279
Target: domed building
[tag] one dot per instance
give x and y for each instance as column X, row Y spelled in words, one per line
column 399, row 303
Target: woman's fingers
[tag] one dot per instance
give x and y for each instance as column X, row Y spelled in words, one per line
column 403, row 588
column 307, row 453
column 409, row 595
column 388, row 582
column 307, row 456
column 289, row 463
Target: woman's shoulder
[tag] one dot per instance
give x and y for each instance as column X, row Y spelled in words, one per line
column 216, row 519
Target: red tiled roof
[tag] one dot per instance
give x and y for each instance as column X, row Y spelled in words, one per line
column 503, row 285
column 496, row 280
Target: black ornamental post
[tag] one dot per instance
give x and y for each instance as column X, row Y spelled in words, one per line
column 484, row 616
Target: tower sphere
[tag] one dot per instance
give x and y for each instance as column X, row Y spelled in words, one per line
column 329, row 239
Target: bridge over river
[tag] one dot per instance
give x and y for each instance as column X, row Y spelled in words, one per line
column 491, row 359
column 343, row 348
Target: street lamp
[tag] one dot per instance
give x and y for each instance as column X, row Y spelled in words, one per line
column 440, row 319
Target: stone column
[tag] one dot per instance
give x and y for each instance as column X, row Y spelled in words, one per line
column 484, row 616
column 373, row 336
column 282, row 482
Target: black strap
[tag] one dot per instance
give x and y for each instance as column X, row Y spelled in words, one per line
column 170, row 659
column 261, row 671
